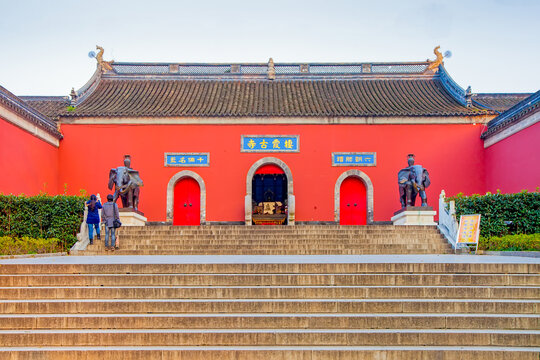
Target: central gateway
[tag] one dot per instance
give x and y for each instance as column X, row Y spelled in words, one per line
column 269, row 196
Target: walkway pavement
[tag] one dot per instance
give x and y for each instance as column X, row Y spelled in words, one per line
column 273, row 259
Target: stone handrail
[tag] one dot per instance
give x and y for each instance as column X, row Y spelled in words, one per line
column 448, row 224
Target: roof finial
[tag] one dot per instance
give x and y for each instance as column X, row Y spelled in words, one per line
column 271, row 70
column 468, row 96
column 73, row 95
column 434, row 65
column 104, row 65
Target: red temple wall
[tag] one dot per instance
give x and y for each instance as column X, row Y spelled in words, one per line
column 513, row 164
column 453, row 154
column 29, row 165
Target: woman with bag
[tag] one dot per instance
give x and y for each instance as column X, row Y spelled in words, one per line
column 92, row 219
column 111, row 218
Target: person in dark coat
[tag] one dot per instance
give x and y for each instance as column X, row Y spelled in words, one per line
column 92, row 220
column 109, row 213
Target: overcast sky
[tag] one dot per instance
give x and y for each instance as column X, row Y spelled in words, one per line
column 44, row 44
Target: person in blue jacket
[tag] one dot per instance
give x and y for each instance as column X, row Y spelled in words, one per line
column 92, row 220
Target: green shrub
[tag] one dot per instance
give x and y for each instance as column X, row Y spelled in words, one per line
column 520, row 242
column 42, row 217
column 26, row 245
column 520, row 211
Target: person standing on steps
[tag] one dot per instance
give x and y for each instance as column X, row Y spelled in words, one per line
column 92, row 219
column 109, row 213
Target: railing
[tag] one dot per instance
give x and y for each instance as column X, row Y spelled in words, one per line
column 448, row 224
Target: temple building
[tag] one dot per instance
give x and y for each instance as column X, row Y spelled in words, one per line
column 269, row 143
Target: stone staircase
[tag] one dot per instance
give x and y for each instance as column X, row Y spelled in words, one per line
column 276, row 240
column 290, row 310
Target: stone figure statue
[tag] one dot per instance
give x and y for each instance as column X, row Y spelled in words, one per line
column 413, row 180
column 126, row 182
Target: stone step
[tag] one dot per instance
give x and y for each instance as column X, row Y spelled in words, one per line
column 270, row 321
column 289, row 234
column 304, row 235
column 256, row 246
column 266, row 252
column 268, row 265
column 272, row 292
column 280, row 240
column 276, row 240
column 284, row 235
column 269, row 279
column 212, row 306
column 376, row 352
column 294, row 228
column 272, row 337
column 181, row 242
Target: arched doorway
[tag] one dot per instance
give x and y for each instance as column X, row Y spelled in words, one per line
column 269, row 191
column 352, row 202
column 353, row 197
column 187, row 202
column 269, row 194
column 186, row 199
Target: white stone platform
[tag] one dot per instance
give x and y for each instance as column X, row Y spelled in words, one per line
column 415, row 215
column 131, row 217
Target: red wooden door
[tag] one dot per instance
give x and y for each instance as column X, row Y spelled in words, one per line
column 352, row 202
column 187, row 202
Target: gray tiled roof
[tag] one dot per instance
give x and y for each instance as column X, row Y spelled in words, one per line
column 50, row 106
column 258, row 98
column 514, row 114
column 499, row 101
column 17, row 105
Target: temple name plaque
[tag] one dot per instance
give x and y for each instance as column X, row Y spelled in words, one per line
column 270, row 143
column 187, row 159
column 354, row 159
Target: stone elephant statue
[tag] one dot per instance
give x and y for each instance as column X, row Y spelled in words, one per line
column 413, row 180
column 126, row 182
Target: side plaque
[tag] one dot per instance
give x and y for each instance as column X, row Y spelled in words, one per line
column 187, row 159
column 354, row 159
column 270, row 143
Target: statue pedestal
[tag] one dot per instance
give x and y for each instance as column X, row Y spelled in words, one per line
column 132, row 217
column 415, row 215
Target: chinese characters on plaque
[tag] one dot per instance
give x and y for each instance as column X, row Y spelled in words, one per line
column 469, row 229
column 354, row 159
column 187, row 159
column 270, row 143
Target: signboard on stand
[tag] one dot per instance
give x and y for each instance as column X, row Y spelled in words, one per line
column 469, row 229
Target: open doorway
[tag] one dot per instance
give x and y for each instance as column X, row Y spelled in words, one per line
column 269, row 196
column 279, row 180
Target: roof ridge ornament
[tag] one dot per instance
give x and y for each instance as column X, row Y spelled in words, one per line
column 468, row 96
column 271, row 70
column 434, row 65
column 102, row 64
column 73, row 96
